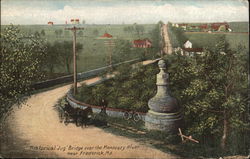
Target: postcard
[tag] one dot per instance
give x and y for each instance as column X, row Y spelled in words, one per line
column 124, row 79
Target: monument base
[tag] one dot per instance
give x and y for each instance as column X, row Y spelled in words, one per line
column 168, row 122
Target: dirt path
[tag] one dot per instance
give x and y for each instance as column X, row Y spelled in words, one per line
column 167, row 47
column 35, row 131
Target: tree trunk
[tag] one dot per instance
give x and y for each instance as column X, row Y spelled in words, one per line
column 225, row 131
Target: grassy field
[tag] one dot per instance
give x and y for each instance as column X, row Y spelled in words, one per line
column 94, row 52
column 239, row 26
column 209, row 40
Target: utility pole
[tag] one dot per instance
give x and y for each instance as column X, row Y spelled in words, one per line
column 109, row 43
column 74, row 29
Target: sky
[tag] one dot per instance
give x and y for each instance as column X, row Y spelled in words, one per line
column 122, row 11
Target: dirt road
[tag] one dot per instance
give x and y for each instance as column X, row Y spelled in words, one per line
column 167, row 44
column 34, row 130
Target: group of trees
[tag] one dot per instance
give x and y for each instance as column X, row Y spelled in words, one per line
column 135, row 28
column 125, row 91
column 177, row 36
column 213, row 92
column 22, row 62
column 25, row 59
column 156, row 38
column 60, row 54
column 58, row 32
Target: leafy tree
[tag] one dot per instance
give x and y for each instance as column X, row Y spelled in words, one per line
column 213, row 91
column 64, row 52
column 57, row 33
column 66, row 33
column 177, row 36
column 52, row 59
column 80, row 33
column 139, row 29
column 60, row 31
column 37, row 34
column 83, row 22
column 156, row 38
column 96, row 32
column 121, row 51
column 22, row 62
column 43, row 33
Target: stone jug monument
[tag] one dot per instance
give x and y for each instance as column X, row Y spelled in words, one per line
column 165, row 113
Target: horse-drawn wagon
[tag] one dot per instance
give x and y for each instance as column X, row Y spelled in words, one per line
column 78, row 116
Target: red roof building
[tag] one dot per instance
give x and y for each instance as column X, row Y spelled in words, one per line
column 50, row 23
column 106, row 35
column 203, row 26
column 145, row 43
column 193, row 49
column 216, row 26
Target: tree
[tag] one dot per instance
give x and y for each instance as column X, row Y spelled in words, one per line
column 60, row 31
column 65, row 55
column 177, row 36
column 139, row 29
column 121, row 51
column 52, row 55
column 66, row 33
column 43, row 33
column 96, row 32
column 80, row 33
column 83, row 22
column 57, row 33
column 22, row 62
column 213, row 91
column 156, row 38
column 37, row 34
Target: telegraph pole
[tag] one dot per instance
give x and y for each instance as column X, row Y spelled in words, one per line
column 74, row 29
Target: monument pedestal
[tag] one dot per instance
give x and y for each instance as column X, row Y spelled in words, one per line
column 167, row 122
column 165, row 113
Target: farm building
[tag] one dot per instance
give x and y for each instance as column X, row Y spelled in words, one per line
column 191, row 51
column 187, row 44
column 220, row 26
column 145, row 43
column 184, row 26
column 106, row 35
column 203, row 27
column 50, row 23
column 74, row 21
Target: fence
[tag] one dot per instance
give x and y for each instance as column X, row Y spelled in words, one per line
column 80, row 76
column 113, row 112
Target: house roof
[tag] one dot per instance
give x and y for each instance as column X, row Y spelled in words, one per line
column 193, row 49
column 106, row 35
column 141, row 42
column 203, row 26
column 182, row 24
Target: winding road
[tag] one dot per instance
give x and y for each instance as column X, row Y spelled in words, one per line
column 34, row 130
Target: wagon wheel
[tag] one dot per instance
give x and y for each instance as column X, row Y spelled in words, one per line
column 78, row 121
column 136, row 117
column 126, row 115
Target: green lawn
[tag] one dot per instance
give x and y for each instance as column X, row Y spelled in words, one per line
column 94, row 51
column 209, row 40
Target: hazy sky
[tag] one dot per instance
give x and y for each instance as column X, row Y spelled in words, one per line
column 119, row 11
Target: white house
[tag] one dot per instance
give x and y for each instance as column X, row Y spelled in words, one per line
column 188, row 44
